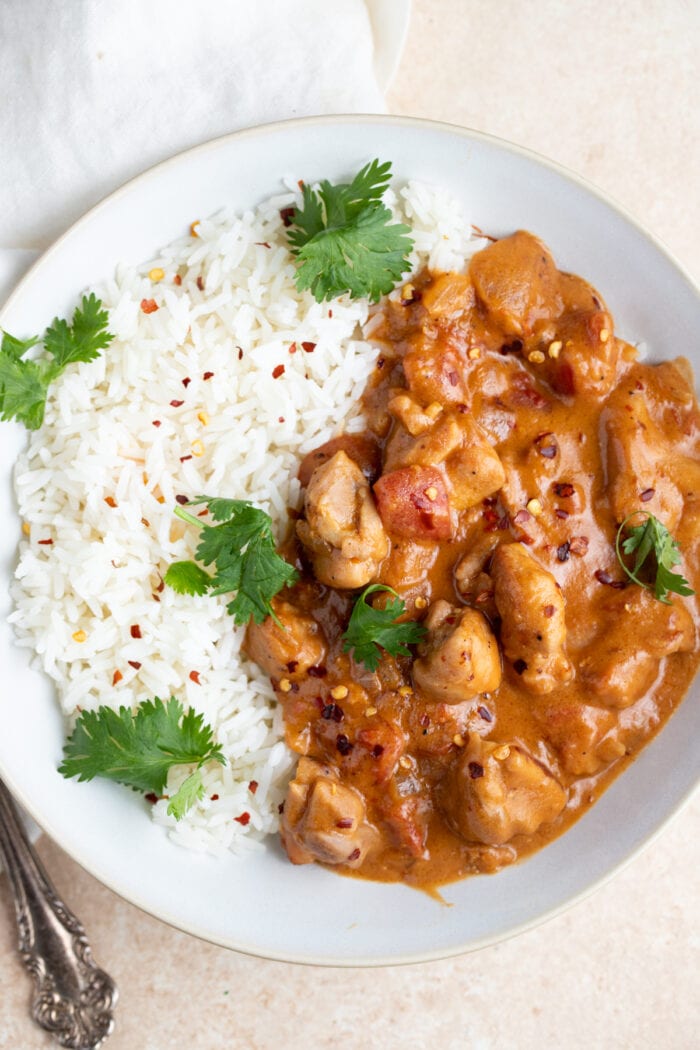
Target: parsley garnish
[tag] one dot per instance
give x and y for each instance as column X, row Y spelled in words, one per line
column 345, row 240
column 371, row 629
column 24, row 383
column 243, row 549
column 139, row 749
column 653, row 538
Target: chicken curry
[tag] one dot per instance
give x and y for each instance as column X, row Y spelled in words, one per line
column 509, row 433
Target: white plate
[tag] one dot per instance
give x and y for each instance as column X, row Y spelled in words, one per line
column 264, row 905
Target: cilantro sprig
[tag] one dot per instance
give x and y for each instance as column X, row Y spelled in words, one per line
column 371, row 629
column 139, row 749
column 657, row 552
column 24, row 382
column 242, row 547
column 345, row 239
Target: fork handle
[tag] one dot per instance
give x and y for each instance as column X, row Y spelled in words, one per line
column 73, row 998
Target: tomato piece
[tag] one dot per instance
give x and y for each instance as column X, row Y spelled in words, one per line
column 413, row 503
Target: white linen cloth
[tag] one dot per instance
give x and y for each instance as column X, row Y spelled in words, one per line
column 96, row 91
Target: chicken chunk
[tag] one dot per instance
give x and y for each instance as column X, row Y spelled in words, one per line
column 342, row 531
column 459, row 659
column 517, row 282
column 496, row 791
column 288, row 650
column 472, row 468
column 324, row 820
column 619, row 666
column 531, row 607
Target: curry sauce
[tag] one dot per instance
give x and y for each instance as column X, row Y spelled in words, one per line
column 509, row 434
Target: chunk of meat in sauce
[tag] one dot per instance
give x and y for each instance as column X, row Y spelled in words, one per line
column 531, row 607
column 324, row 820
column 459, row 659
column 517, row 282
column 342, row 532
column 619, row 667
column 471, row 466
column 289, row 650
column 363, row 449
column 496, row 791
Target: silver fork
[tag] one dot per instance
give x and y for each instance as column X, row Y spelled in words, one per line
column 73, row 997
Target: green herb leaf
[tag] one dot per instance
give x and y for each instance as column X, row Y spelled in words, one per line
column 371, row 629
column 191, row 790
column 242, row 549
column 345, row 239
column 138, row 749
column 186, row 577
column 24, row 384
column 652, row 540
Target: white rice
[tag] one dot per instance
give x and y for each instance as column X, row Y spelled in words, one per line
column 245, row 432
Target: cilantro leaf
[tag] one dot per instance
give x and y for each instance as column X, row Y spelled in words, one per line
column 242, row 549
column 191, row 790
column 24, row 383
column 652, row 538
column 372, row 629
column 186, row 577
column 138, row 749
column 83, row 339
column 345, row 239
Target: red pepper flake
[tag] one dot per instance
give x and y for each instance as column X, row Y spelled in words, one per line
column 280, row 419
column 308, row 347
column 377, row 751
column 135, row 630
column 292, row 348
column 144, row 521
column 207, row 375
column 202, row 513
column 151, row 797
column 177, row 279
column 563, row 551
column 476, row 770
column 380, row 363
column 333, row 711
column 277, row 371
column 563, row 514
column 117, row 677
column 355, row 855
column 182, row 500
column 317, row 672
column 453, row 378
column 262, row 244
column 521, row 517
column 647, row 495
column 519, row 666
column 511, row 348
column 200, row 283
column 563, row 489
column 240, row 352
column 155, row 422
column 194, row 677
column 45, row 543
column 244, row 819
column 280, row 808
column 344, row 822
column 604, row 577
column 343, row 744
column 161, row 586
column 176, row 404
column 149, row 306
column 578, row 545
column 214, row 798
column 287, row 216
column 183, row 459
column 253, row 786
column 330, row 313
column 292, row 665
column 424, row 720
column 135, row 664
column 186, row 382
column 110, row 501
column 485, row 714
column 549, row 611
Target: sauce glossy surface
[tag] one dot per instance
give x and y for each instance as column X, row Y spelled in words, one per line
column 509, row 432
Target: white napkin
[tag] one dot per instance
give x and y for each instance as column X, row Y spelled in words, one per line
column 95, row 91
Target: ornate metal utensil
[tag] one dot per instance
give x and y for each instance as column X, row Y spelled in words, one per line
column 73, row 998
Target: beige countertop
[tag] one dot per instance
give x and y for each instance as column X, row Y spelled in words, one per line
column 609, row 90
